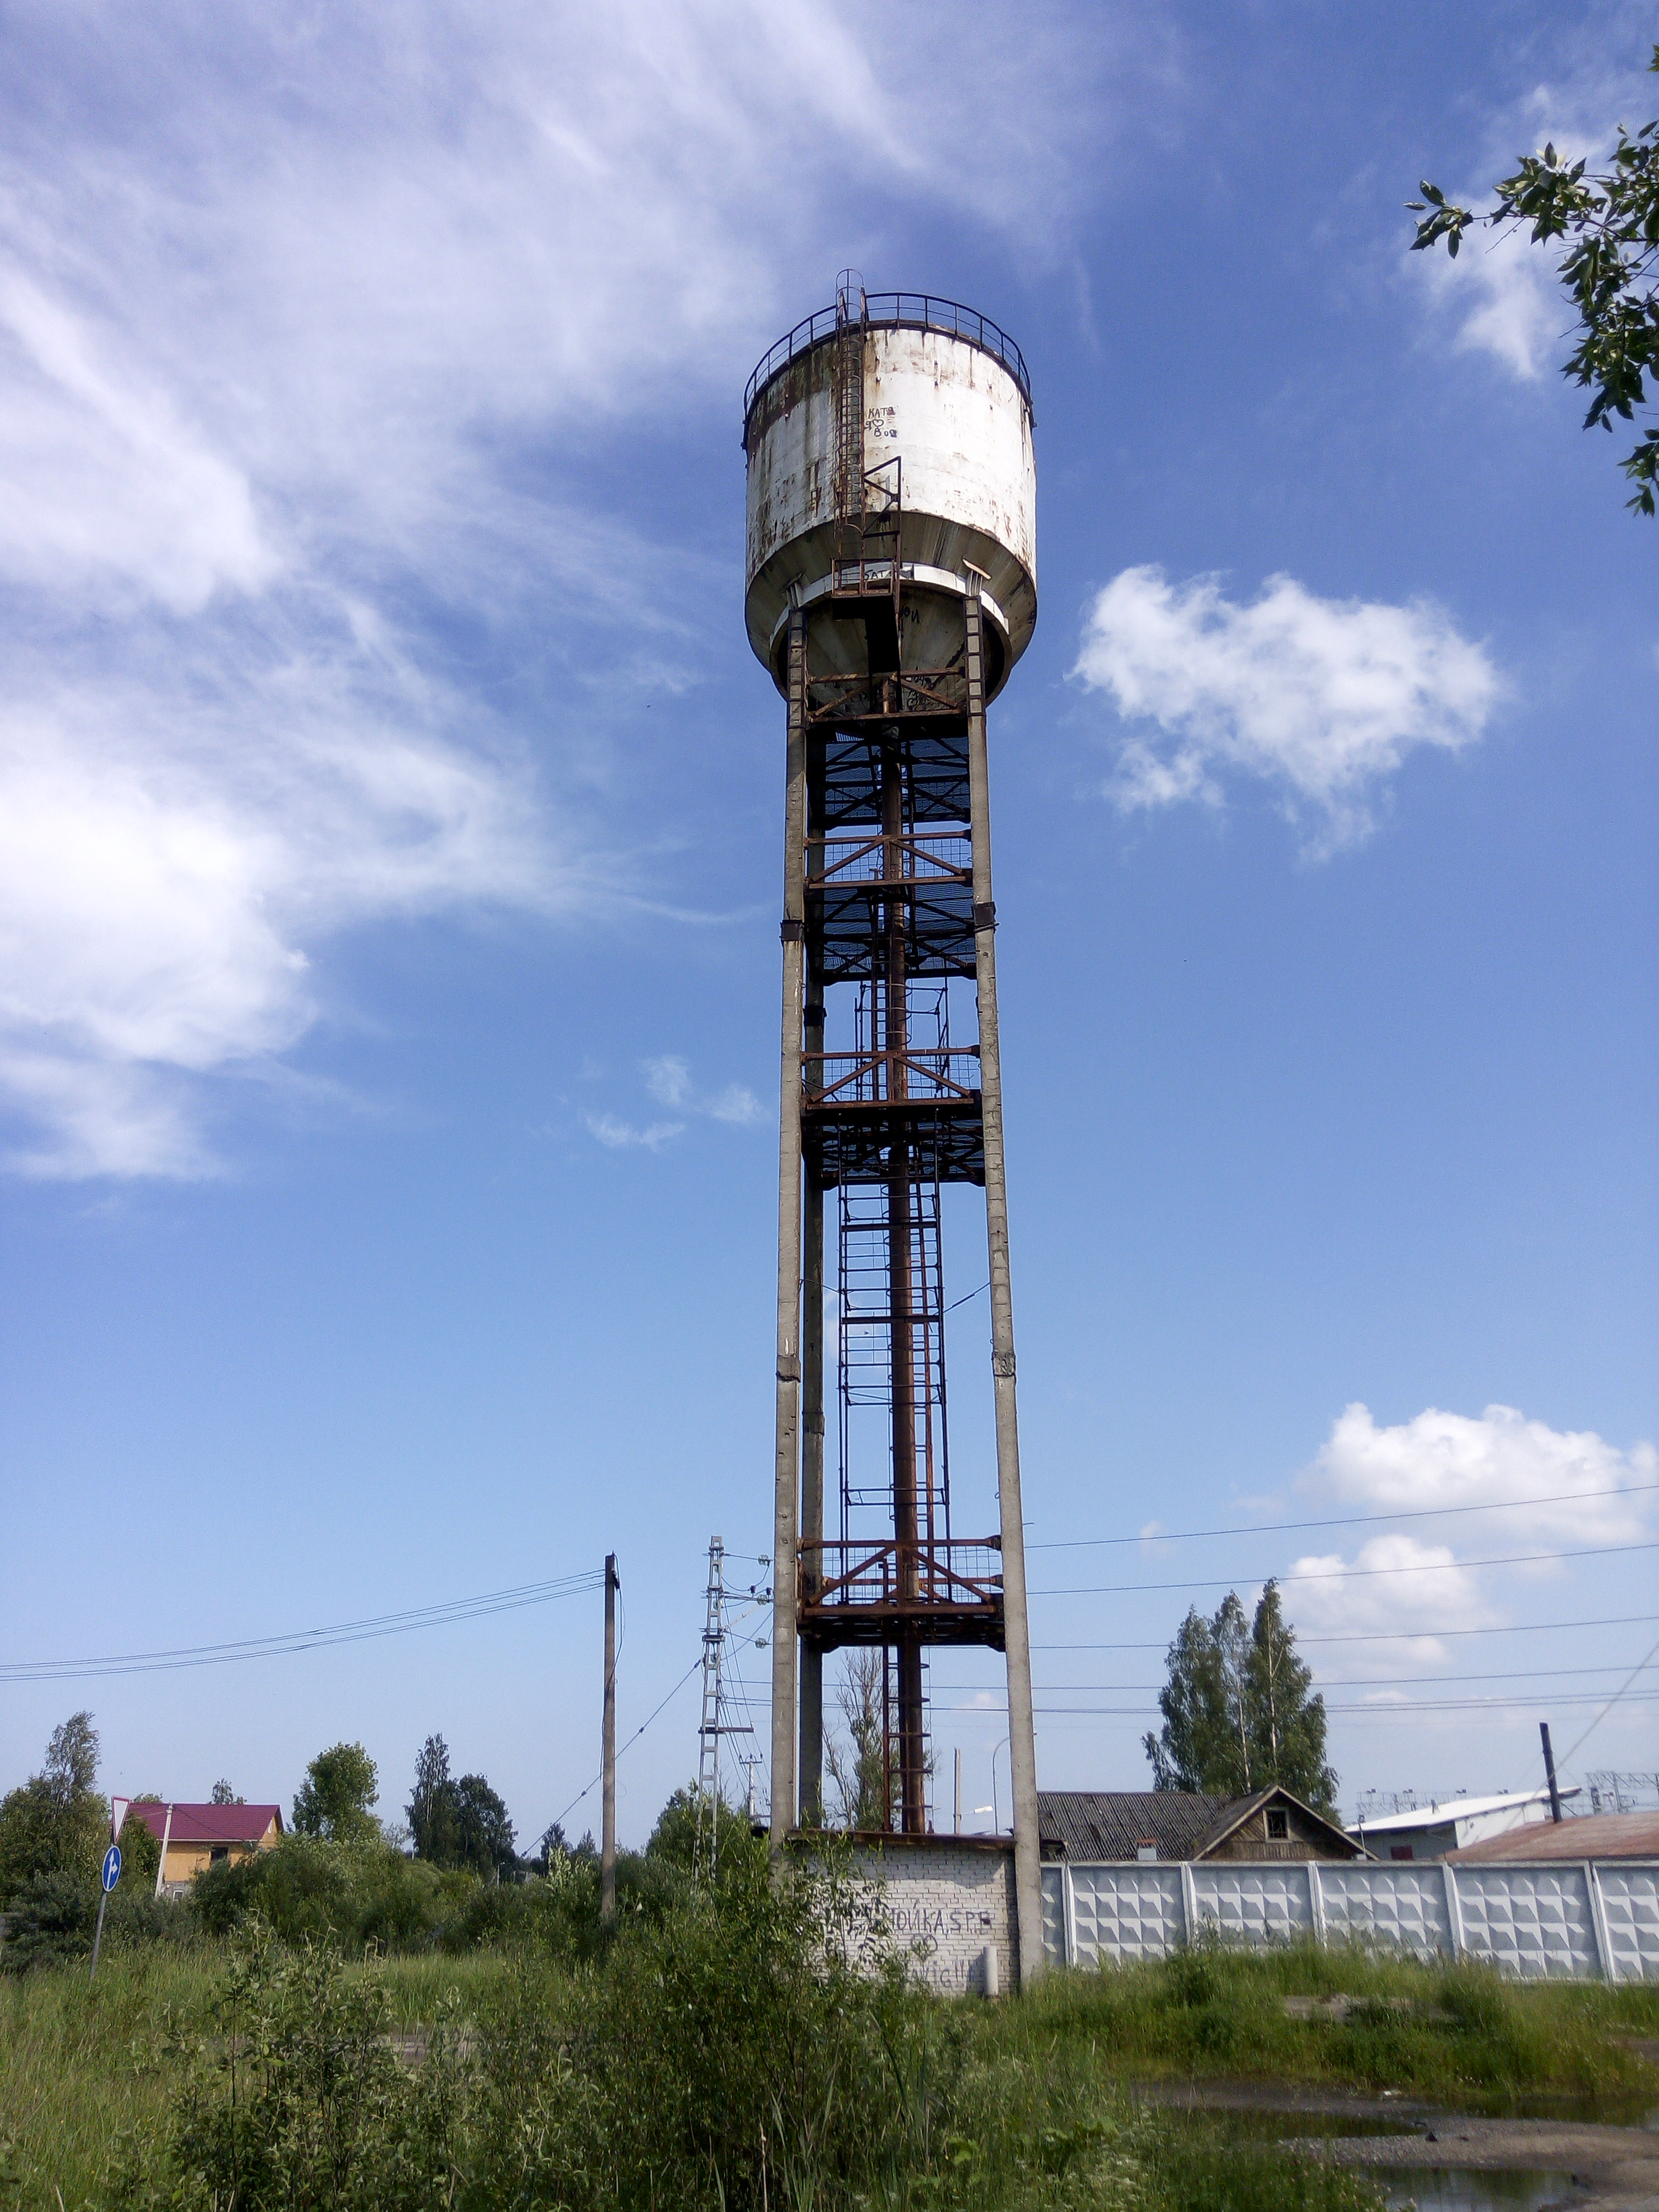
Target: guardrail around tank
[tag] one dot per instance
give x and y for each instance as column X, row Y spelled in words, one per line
column 890, row 310
column 1546, row 1920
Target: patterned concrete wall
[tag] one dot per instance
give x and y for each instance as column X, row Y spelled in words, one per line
column 1254, row 1904
column 1124, row 1911
column 1533, row 1922
column 1560, row 1921
column 945, row 1902
column 1630, row 1912
column 1402, row 1908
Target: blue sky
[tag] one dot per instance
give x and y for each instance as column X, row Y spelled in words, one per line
column 390, row 820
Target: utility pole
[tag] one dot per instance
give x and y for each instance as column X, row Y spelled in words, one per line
column 1549, row 1770
column 709, row 1734
column 608, row 1796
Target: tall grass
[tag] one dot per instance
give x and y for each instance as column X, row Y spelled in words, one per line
column 711, row 2057
column 1448, row 2033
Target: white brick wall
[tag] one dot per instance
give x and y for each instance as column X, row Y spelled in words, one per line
column 945, row 1901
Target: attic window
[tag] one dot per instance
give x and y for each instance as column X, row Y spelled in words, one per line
column 1279, row 1825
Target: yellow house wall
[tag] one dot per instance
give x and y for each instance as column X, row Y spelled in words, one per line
column 185, row 1861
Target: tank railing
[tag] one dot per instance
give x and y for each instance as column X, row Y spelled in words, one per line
column 925, row 857
column 914, row 691
column 956, row 1573
column 923, row 1075
column 907, row 310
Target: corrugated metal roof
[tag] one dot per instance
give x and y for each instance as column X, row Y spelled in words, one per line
column 1442, row 1814
column 208, row 1824
column 1113, row 1824
column 1597, row 1836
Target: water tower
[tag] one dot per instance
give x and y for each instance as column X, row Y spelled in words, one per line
column 891, row 588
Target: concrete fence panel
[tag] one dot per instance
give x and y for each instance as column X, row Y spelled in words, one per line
column 1254, row 1903
column 1540, row 1922
column 1400, row 1908
column 1630, row 1907
column 1532, row 1922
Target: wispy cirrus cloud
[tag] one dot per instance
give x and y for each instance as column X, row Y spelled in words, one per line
column 1321, row 699
column 311, row 326
column 669, row 1083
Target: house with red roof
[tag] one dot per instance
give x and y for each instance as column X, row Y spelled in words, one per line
column 196, row 1836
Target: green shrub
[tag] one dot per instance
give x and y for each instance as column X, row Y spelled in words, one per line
column 51, row 1920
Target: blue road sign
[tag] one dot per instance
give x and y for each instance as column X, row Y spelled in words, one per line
column 111, row 1868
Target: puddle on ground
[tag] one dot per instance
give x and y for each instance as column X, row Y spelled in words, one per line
column 1451, row 2189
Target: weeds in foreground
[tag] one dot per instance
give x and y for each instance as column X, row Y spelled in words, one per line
column 714, row 2057
column 1449, row 2034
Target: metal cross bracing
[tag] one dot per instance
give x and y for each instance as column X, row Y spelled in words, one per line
column 892, row 1112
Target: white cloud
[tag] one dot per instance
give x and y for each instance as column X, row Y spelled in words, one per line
column 1419, row 1582
column 170, row 862
column 736, row 1103
column 1503, row 294
column 1395, row 1583
column 1439, row 1459
column 618, row 1135
column 1321, row 698
column 308, row 318
column 1502, row 290
column 669, row 1082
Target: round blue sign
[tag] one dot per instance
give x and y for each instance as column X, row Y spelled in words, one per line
column 112, row 1867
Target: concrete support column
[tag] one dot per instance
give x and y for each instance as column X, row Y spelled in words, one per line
column 1022, row 1728
column 812, row 1479
column 785, row 1653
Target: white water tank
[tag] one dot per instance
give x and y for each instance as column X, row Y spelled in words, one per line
column 946, row 393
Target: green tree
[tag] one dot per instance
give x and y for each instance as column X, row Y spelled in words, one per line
column 1238, row 1715
column 674, row 1839
column 340, row 1786
column 1287, row 1725
column 866, row 1782
column 222, row 1794
column 432, row 1812
column 1610, row 226
column 485, row 1832
column 72, row 1767
column 55, row 1823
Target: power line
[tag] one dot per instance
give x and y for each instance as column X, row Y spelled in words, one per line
column 1338, row 1521
column 1403, row 1709
column 1401, row 1635
column 655, row 1714
column 1354, row 1574
column 306, row 1639
column 1613, row 1701
column 1352, row 1682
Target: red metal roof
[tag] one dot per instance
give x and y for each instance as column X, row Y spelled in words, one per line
column 209, row 1824
column 1595, row 1835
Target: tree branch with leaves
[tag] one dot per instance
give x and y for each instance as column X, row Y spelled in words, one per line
column 1610, row 225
